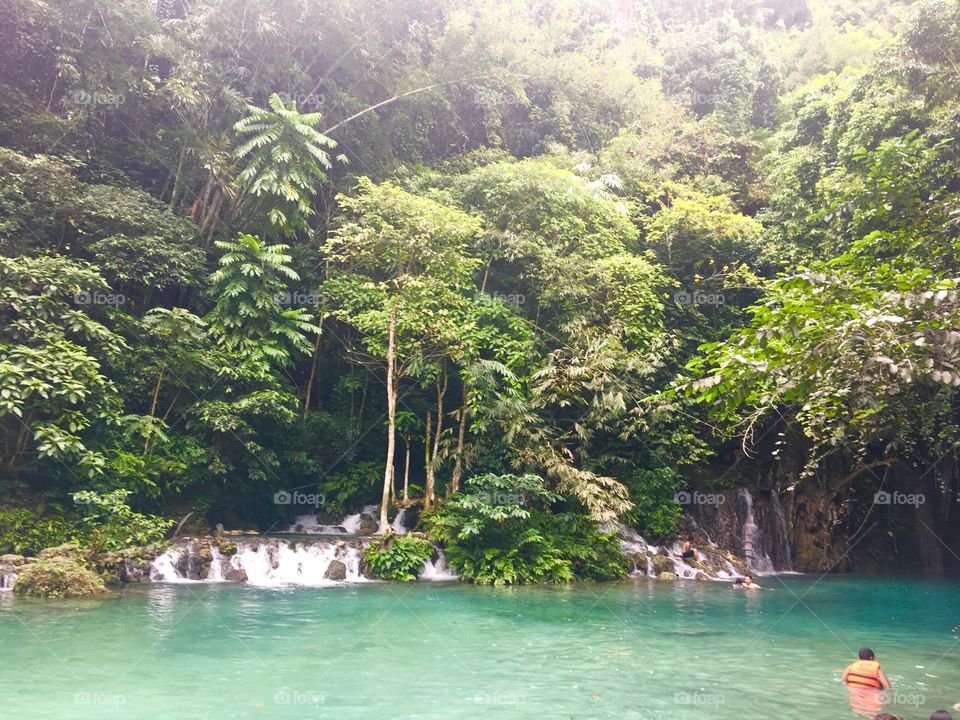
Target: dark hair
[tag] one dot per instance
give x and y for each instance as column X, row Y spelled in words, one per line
column 941, row 715
column 887, row 716
column 866, row 654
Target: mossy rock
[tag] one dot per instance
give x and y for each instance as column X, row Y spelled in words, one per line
column 58, row 577
column 226, row 547
column 661, row 564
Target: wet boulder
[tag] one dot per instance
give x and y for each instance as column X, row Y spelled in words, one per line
column 336, row 570
column 368, row 524
column 233, row 574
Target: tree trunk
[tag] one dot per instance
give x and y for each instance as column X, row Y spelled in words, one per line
column 391, row 419
column 153, row 406
column 176, row 176
column 458, row 453
column 406, row 475
column 441, row 392
column 428, row 467
column 313, row 372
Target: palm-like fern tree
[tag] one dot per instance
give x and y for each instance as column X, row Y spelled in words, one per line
column 285, row 161
column 252, row 314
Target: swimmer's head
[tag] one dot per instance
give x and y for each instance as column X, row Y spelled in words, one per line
column 748, row 578
column 866, row 654
column 941, row 715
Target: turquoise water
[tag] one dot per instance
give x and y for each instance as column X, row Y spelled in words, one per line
column 634, row 650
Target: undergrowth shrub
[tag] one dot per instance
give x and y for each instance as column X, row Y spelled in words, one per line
column 398, row 557
column 498, row 531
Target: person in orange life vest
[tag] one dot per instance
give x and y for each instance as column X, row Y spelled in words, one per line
column 865, row 673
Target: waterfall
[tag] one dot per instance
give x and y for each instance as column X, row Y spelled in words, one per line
column 7, row 581
column 765, row 544
column 267, row 562
column 656, row 559
column 168, row 567
column 365, row 522
column 352, row 523
column 398, row 522
column 436, row 569
column 310, row 525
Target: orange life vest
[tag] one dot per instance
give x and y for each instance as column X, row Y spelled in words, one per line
column 864, row 674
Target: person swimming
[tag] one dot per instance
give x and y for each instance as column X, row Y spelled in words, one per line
column 749, row 584
column 943, row 714
column 865, row 681
column 865, row 673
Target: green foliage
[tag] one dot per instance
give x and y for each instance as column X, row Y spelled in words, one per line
column 52, row 385
column 27, row 532
column 350, row 488
column 497, row 531
column 540, row 179
column 285, row 160
column 398, row 557
column 251, row 314
column 110, row 524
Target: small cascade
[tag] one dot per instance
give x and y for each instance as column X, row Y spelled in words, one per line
column 267, row 562
column 436, row 570
column 652, row 560
column 170, row 566
column 365, row 522
column 765, row 545
column 300, row 563
column 355, row 524
column 215, row 572
column 399, row 521
column 311, row 525
column 7, row 581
